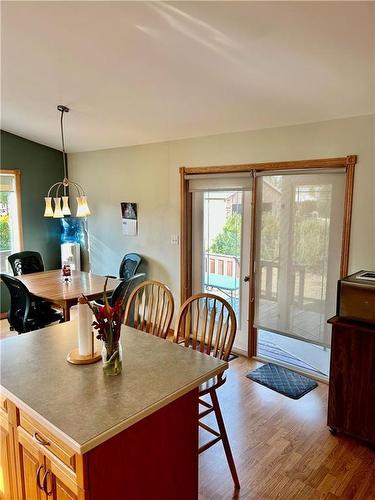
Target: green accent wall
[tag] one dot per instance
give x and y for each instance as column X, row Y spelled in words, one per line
column 40, row 167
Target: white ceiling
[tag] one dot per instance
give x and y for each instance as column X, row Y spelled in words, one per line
column 138, row 72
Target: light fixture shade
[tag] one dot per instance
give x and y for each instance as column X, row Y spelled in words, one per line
column 82, row 206
column 85, row 205
column 57, row 214
column 48, row 212
column 80, row 211
column 65, row 207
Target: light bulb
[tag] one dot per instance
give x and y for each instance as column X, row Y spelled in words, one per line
column 48, row 212
column 57, row 214
column 65, row 207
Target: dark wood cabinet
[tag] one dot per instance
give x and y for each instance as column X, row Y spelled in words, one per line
column 351, row 403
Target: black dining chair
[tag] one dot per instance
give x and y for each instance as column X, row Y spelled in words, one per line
column 123, row 290
column 26, row 262
column 24, row 315
column 129, row 266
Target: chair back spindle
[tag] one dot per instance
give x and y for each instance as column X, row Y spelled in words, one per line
column 207, row 323
column 150, row 308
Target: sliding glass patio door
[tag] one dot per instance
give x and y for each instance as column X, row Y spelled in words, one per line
column 297, row 264
column 221, row 242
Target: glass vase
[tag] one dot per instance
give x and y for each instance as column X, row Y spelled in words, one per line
column 112, row 358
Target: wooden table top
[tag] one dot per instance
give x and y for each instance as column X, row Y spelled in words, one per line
column 49, row 285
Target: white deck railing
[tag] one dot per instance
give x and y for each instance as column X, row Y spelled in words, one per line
column 225, row 265
column 229, row 265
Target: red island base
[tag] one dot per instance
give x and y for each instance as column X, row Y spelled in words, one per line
column 155, row 459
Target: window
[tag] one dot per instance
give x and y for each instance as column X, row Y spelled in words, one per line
column 10, row 216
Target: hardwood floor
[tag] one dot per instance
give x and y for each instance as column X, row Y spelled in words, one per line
column 282, row 448
column 5, row 330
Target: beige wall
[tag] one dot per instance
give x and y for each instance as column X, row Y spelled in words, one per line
column 148, row 175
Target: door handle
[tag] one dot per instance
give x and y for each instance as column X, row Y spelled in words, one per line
column 38, row 476
column 246, row 279
column 40, row 440
column 45, row 483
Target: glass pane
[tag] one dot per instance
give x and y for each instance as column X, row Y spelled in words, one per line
column 299, row 227
column 7, row 182
column 296, row 353
column 222, row 227
column 9, row 231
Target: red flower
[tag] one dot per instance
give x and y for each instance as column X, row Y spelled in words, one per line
column 108, row 319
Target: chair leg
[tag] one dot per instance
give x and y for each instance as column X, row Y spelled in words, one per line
column 224, row 437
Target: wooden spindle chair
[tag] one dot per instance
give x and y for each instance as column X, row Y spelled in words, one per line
column 150, row 308
column 206, row 322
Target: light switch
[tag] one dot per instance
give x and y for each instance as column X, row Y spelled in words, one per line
column 175, row 239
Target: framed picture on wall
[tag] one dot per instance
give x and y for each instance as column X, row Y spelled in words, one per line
column 129, row 214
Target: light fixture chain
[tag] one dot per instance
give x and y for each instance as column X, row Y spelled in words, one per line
column 63, row 147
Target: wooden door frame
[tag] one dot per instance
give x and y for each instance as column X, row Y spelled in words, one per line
column 347, row 162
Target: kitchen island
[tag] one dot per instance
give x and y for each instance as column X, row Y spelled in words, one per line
column 70, row 432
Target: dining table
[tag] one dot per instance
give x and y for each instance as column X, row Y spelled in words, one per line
column 51, row 286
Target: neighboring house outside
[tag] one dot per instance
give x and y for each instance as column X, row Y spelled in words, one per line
column 270, row 202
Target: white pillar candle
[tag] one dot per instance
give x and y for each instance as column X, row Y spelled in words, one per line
column 84, row 329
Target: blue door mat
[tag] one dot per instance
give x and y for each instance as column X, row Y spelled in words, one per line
column 280, row 379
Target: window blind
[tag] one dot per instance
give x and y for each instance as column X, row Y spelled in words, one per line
column 220, row 182
column 7, row 183
column 299, row 226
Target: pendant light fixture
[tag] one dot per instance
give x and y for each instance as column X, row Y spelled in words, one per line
column 61, row 203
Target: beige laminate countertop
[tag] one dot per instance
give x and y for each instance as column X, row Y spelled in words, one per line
column 80, row 404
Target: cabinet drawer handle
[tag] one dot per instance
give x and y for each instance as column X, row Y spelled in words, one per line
column 40, row 440
column 45, row 486
column 38, row 476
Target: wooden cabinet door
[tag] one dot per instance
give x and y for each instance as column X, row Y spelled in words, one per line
column 351, row 407
column 59, row 491
column 7, row 465
column 59, row 485
column 31, row 468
